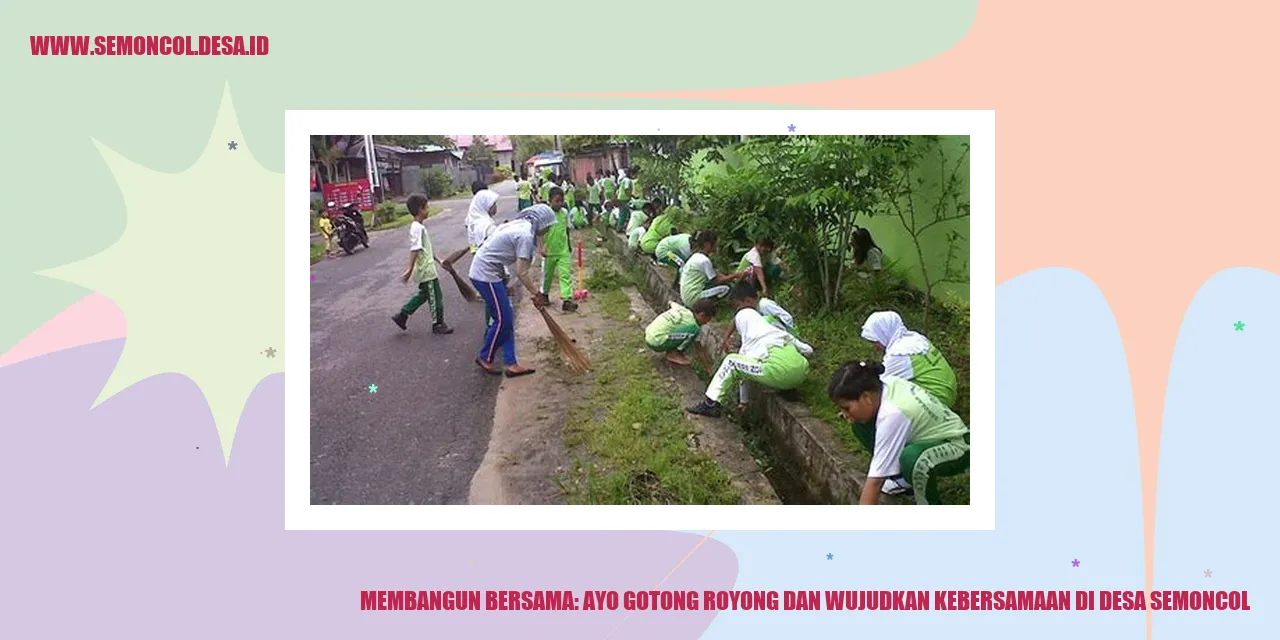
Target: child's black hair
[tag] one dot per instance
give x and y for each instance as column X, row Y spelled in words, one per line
column 555, row 191
column 478, row 186
column 415, row 203
column 705, row 307
column 862, row 245
column 704, row 236
column 853, row 379
column 743, row 290
column 674, row 231
column 766, row 242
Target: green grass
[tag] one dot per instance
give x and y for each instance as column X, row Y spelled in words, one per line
column 631, row 439
column 605, row 285
column 317, row 252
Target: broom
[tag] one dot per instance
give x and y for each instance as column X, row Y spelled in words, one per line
column 577, row 361
column 468, row 292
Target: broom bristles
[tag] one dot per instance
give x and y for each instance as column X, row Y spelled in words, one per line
column 468, row 292
column 577, row 361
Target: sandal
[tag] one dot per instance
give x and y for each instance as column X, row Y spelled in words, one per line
column 487, row 369
column 517, row 374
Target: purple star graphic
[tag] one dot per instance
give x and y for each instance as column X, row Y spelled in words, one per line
column 231, row 145
column 1075, row 563
column 1208, row 573
column 791, row 128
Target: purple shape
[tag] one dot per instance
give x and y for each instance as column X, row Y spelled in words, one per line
column 122, row 525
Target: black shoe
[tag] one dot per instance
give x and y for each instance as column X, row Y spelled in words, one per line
column 569, row 305
column 400, row 319
column 707, row 408
column 441, row 328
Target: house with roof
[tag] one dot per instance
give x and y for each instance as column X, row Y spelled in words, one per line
column 504, row 150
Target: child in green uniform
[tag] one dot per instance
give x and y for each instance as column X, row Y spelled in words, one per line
column 659, row 229
column 524, row 193
column 673, row 331
column 570, row 194
column 745, row 296
column 698, row 278
column 762, row 265
column 915, row 435
column 557, row 259
column 544, row 191
column 593, row 197
column 640, row 211
column 578, row 217
column 768, row 356
column 422, row 270
column 609, row 186
column 910, row 355
column 633, row 238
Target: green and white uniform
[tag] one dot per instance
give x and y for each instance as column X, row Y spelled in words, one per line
column 544, row 192
column 910, row 356
column 570, row 195
column 524, row 192
column 637, row 191
column 609, row 186
column 424, row 275
column 558, row 263
column 673, row 330
column 638, row 216
column 658, row 229
column 672, row 251
column 695, row 275
column 917, row 437
column 593, row 193
column 578, row 217
column 633, row 238
column 768, row 356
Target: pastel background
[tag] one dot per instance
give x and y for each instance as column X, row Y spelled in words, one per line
column 1134, row 230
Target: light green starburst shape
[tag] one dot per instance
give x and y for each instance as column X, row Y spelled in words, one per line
column 197, row 272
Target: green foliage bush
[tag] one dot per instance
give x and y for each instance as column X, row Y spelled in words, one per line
column 500, row 174
column 437, row 183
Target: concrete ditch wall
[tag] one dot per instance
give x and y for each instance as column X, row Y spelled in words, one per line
column 807, row 446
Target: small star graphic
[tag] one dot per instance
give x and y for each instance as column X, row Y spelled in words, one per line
column 373, row 388
column 231, row 145
column 1208, row 573
column 1239, row 326
column 829, row 556
column 1075, row 563
column 271, row 353
column 791, row 128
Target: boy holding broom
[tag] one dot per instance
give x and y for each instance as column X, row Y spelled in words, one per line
column 673, row 332
column 557, row 258
column 422, row 271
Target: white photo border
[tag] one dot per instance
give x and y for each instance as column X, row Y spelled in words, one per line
column 300, row 514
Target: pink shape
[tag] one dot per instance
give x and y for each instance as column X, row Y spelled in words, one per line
column 93, row 318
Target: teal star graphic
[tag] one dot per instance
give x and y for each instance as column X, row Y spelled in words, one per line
column 1239, row 326
column 373, row 388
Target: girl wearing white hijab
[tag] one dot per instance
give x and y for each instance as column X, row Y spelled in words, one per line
column 909, row 356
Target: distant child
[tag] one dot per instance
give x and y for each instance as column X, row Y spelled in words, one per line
column 637, row 191
column 768, row 356
column 558, row 261
column 615, row 212
column 866, row 255
column 916, row 437
column 762, row 265
column 698, row 278
column 524, row 193
column 544, row 191
column 659, row 229
column 422, row 270
column 578, row 217
column 593, row 197
column 673, row 251
column 326, row 230
column 744, row 296
column 674, row 331
column 633, row 238
column 570, row 194
column 610, row 187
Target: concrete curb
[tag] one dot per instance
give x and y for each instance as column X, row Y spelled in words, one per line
column 805, row 445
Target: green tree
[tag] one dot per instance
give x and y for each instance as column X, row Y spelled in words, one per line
column 529, row 146
column 413, row 142
column 479, row 155
column 664, row 161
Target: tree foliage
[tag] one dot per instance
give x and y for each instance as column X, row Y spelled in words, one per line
column 573, row 145
column 479, row 154
column 665, row 161
column 529, row 146
column 414, row 142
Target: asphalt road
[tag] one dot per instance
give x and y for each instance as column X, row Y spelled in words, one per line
column 421, row 436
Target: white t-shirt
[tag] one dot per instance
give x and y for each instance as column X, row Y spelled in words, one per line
column 753, row 258
column 874, row 258
column 510, row 242
column 758, row 336
column 893, row 430
column 696, row 274
column 478, row 229
column 770, row 308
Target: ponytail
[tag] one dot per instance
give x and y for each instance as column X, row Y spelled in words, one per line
column 853, row 379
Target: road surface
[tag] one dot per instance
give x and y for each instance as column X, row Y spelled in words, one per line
column 419, row 438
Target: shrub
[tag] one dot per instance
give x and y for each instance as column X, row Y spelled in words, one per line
column 385, row 212
column 500, row 174
column 437, row 183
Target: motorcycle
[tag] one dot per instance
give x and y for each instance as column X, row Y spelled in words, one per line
column 352, row 212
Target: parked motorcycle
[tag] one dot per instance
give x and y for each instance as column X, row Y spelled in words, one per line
column 352, row 212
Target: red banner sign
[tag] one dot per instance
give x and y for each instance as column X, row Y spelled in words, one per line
column 356, row 191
